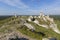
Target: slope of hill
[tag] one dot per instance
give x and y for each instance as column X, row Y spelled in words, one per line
column 19, row 23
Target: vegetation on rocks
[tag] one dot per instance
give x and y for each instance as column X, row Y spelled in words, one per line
column 36, row 34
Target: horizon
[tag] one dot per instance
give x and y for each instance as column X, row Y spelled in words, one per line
column 29, row 7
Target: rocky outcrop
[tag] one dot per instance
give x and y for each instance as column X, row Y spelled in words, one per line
column 49, row 22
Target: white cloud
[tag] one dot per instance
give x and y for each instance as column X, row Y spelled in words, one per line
column 53, row 8
column 16, row 3
column 48, row 9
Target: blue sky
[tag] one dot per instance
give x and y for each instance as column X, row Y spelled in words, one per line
column 29, row 7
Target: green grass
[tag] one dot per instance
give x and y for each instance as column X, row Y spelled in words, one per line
column 4, row 20
column 29, row 33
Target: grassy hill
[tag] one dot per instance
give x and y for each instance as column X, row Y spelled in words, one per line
column 24, row 30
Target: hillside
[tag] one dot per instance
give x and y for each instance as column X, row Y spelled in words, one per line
column 26, row 29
